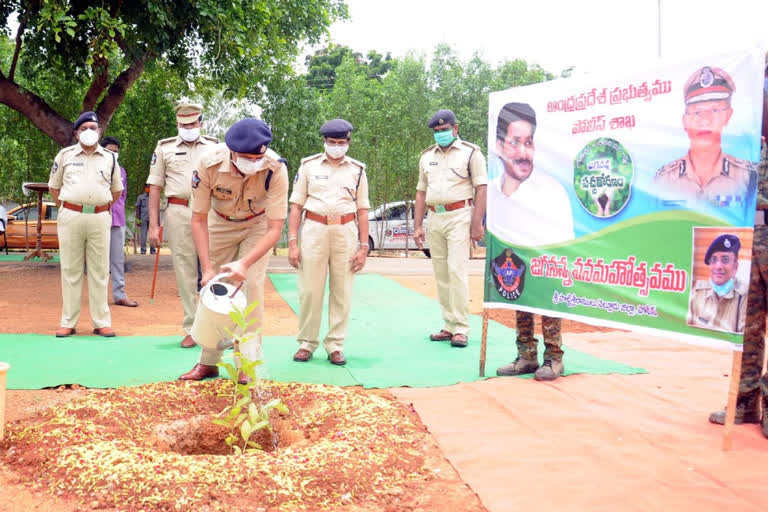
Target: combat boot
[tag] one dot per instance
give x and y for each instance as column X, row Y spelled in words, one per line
column 519, row 366
column 550, row 370
column 747, row 411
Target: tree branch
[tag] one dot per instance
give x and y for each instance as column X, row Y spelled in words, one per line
column 34, row 108
column 116, row 92
column 17, row 50
column 100, row 82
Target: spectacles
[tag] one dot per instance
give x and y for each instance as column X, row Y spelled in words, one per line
column 698, row 114
column 724, row 260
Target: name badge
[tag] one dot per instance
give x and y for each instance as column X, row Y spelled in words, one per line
column 432, row 163
column 80, row 164
column 182, row 153
column 321, row 177
column 222, row 190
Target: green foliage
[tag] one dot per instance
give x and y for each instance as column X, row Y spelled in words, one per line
column 323, row 64
column 245, row 416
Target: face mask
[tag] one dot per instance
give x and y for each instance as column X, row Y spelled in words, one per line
column 89, row 137
column 336, row 151
column 250, row 166
column 722, row 289
column 445, row 137
column 190, row 135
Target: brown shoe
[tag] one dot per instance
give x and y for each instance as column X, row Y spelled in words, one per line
column 200, row 372
column 188, row 342
column 459, row 340
column 63, row 332
column 242, row 378
column 443, row 335
column 126, row 302
column 302, row 355
column 337, row 357
column 107, row 332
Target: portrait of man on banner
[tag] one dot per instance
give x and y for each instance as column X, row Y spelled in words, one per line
column 526, row 206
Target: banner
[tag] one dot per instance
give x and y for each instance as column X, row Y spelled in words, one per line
column 628, row 200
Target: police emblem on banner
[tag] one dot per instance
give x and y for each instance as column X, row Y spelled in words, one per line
column 508, row 271
column 195, row 179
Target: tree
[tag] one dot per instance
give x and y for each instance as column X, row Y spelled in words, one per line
column 323, row 64
column 109, row 44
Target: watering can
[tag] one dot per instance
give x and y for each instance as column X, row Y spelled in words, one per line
column 212, row 318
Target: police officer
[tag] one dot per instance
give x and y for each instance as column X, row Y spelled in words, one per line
column 451, row 172
column 239, row 205
column 331, row 190
column 173, row 161
column 84, row 181
column 753, row 389
column 142, row 219
column 705, row 171
column 720, row 302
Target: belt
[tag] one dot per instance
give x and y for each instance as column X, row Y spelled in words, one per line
column 178, row 200
column 85, row 208
column 451, row 206
column 330, row 220
column 235, row 219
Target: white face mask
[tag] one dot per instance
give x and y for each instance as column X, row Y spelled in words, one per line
column 336, row 151
column 250, row 166
column 89, row 137
column 190, row 135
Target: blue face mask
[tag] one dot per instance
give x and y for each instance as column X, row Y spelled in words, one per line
column 445, row 137
column 722, row 289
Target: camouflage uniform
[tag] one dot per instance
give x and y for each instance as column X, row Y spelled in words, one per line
column 526, row 343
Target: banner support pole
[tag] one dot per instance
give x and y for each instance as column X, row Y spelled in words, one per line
column 733, row 393
column 484, row 342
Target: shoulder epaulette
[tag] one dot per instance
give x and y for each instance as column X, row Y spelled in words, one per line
column 667, row 168
column 744, row 164
column 165, row 141
column 212, row 139
column 212, row 156
column 311, row 157
column 470, row 145
column 358, row 163
column 68, row 149
column 430, row 148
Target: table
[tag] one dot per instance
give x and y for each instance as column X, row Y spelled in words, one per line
column 37, row 252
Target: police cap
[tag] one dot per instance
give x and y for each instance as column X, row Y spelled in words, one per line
column 442, row 117
column 86, row 117
column 188, row 112
column 723, row 243
column 708, row 84
column 248, row 136
column 110, row 140
column 337, row 129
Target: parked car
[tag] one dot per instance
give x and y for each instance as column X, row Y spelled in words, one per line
column 388, row 229
column 17, row 233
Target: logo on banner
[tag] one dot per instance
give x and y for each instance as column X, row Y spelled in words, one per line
column 602, row 177
column 508, row 272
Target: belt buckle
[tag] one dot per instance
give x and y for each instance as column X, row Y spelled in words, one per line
column 88, row 208
column 332, row 220
column 440, row 208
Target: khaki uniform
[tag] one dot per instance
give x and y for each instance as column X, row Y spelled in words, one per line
column 677, row 179
column 219, row 189
column 89, row 180
column 726, row 313
column 325, row 189
column 172, row 164
column 448, row 176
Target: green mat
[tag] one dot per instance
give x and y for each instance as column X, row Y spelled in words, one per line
column 19, row 256
column 386, row 346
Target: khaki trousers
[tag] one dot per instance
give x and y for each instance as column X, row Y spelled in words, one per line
column 229, row 241
column 325, row 250
column 84, row 239
column 178, row 232
column 449, row 244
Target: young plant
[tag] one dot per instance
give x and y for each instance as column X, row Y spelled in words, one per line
column 245, row 416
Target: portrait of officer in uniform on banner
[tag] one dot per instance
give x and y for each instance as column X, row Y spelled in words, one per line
column 718, row 298
column 706, row 173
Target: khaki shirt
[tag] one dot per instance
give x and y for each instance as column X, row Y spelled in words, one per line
column 83, row 178
column 451, row 175
column 677, row 181
column 726, row 313
column 173, row 162
column 218, row 185
column 326, row 189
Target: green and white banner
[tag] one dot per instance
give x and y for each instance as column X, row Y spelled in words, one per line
column 629, row 200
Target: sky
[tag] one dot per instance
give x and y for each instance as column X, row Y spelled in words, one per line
column 592, row 35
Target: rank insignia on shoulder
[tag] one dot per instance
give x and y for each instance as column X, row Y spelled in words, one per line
column 195, row 179
column 154, row 159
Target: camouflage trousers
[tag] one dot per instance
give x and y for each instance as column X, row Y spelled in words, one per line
column 754, row 331
column 526, row 343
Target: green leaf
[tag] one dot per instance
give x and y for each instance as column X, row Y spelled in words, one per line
column 221, row 422
column 237, row 449
column 253, row 412
column 245, row 430
column 70, row 32
column 231, row 370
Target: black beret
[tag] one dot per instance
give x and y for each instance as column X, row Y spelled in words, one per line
column 442, row 117
column 86, row 117
column 248, row 136
column 723, row 243
column 110, row 140
column 336, row 129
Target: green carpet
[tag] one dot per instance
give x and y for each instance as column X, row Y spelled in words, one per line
column 19, row 256
column 386, row 346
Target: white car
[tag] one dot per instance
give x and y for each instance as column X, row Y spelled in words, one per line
column 388, row 229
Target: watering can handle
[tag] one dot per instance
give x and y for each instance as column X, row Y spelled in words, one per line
column 217, row 278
